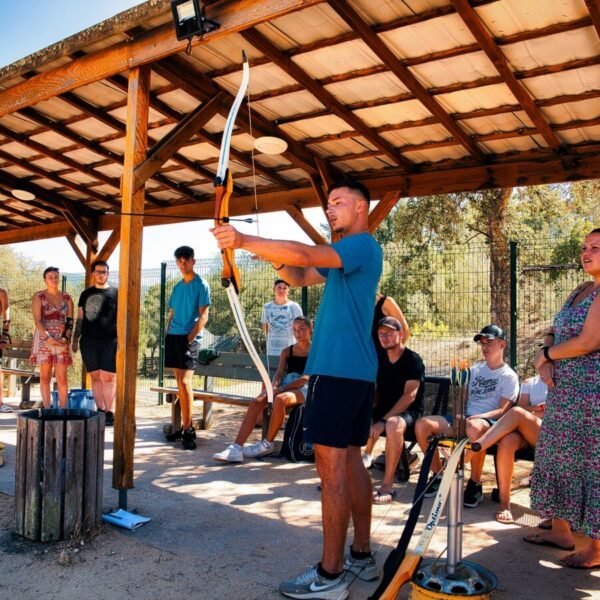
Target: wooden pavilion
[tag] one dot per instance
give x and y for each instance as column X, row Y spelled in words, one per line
column 412, row 97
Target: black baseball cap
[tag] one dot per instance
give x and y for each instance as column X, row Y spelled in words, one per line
column 390, row 322
column 491, row 332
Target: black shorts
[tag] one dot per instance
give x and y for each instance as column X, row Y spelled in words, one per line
column 409, row 418
column 338, row 411
column 179, row 353
column 98, row 355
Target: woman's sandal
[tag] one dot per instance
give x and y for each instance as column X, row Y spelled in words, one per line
column 381, row 497
column 504, row 516
column 572, row 561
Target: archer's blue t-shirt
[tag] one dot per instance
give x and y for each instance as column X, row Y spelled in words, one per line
column 185, row 300
column 342, row 345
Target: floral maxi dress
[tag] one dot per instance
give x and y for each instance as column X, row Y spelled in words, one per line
column 566, row 475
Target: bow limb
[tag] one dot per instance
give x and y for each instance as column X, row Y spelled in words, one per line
column 389, row 590
column 230, row 277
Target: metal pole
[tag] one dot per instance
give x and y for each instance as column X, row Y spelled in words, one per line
column 123, row 499
column 161, row 328
column 304, row 300
column 513, row 303
column 453, row 524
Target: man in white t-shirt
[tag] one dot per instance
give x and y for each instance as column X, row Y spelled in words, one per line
column 278, row 319
column 493, row 389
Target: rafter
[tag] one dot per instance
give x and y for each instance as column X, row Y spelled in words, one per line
column 148, row 48
column 383, row 209
column 260, row 42
column 198, row 85
column 594, row 8
column 480, row 33
column 72, row 239
column 171, row 142
column 302, row 222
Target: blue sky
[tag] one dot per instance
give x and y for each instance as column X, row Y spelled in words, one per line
column 31, row 26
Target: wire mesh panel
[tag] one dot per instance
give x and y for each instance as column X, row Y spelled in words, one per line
column 447, row 293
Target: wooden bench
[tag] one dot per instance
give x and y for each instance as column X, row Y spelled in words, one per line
column 18, row 354
column 232, row 366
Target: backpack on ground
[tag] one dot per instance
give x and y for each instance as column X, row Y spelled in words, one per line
column 294, row 447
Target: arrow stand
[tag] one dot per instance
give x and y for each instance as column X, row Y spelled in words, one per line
column 454, row 578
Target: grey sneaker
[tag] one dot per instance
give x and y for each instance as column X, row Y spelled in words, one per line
column 364, row 568
column 311, row 585
column 261, row 448
column 231, row 454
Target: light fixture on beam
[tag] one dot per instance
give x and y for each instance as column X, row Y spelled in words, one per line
column 23, row 195
column 190, row 20
column 270, row 145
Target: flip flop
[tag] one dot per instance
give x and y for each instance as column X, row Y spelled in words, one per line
column 540, row 541
column 381, row 497
column 504, row 516
column 571, row 565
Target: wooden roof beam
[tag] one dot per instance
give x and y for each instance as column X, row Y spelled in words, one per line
column 381, row 50
column 496, row 56
column 298, row 217
column 197, row 84
column 4, row 205
column 97, row 148
column 25, row 140
column 110, row 244
column 163, row 150
column 150, row 47
column 86, row 192
column 594, row 8
column 88, row 234
column 383, row 209
column 214, row 140
column 261, row 43
column 72, row 239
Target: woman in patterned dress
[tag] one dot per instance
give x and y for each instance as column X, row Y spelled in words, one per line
column 565, row 482
column 53, row 317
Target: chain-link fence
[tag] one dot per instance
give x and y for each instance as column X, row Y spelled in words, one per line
column 446, row 294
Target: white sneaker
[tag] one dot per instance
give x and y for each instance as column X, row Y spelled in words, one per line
column 231, row 454
column 367, row 460
column 5, row 408
column 261, row 448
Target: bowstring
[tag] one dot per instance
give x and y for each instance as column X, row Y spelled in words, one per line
column 401, row 517
column 254, row 186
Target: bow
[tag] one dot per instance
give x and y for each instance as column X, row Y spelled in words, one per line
column 230, row 276
column 388, row 590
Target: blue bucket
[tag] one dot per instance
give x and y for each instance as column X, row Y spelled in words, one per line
column 78, row 399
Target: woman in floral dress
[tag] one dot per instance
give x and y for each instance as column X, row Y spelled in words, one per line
column 565, row 482
column 53, row 317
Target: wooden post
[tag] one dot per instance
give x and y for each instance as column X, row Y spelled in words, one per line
column 136, row 143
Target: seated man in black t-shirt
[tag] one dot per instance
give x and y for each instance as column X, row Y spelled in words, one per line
column 399, row 401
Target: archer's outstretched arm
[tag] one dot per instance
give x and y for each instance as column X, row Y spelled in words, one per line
column 299, row 260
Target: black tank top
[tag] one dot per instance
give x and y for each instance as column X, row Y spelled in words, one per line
column 295, row 364
column 377, row 316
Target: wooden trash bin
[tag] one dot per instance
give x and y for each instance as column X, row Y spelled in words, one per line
column 59, row 472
